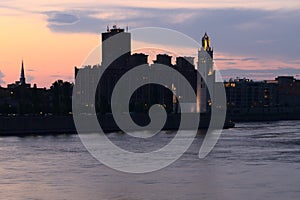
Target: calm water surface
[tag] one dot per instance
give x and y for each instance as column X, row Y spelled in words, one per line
column 252, row 161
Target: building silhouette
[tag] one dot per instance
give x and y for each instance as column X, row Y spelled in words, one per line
column 116, row 47
column 206, row 76
column 20, row 98
column 246, row 99
column 150, row 94
column 22, row 81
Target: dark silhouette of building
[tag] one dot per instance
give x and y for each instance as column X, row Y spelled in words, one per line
column 138, row 59
column 288, row 91
column 243, row 95
column 22, row 81
column 206, row 76
column 116, row 50
column 163, row 59
column 150, row 94
column 257, row 99
column 248, row 97
column 20, row 98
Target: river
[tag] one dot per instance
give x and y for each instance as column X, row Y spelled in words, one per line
column 252, row 161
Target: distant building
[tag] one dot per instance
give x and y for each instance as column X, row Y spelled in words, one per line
column 137, row 59
column 116, row 50
column 246, row 99
column 163, row 59
column 150, row 94
column 22, row 81
column 245, row 96
column 288, row 91
column 206, row 76
column 20, row 98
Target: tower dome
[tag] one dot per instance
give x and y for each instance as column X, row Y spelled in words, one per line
column 206, row 42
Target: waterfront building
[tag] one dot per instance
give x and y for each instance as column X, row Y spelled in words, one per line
column 22, row 81
column 20, row 98
column 288, row 91
column 116, row 47
column 150, row 94
column 206, row 76
column 246, row 96
column 185, row 65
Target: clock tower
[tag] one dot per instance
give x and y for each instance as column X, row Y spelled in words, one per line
column 206, row 75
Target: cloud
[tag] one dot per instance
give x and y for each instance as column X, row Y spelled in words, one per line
column 60, row 18
column 29, row 78
column 231, row 63
column 1, row 78
column 224, row 59
column 167, row 4
column 297, row 62
column 62, row 77
column 55, row 76
column 255, row 35
column 262, row 74
column 236, row 59
column 267, row 40
column 249, row 59
column 78, row 22
column 264, row 33
column 249, row 26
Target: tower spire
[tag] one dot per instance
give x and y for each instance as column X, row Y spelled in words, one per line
column 22, row 77
column 206, row 42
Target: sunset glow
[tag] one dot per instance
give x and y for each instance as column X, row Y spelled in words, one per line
column 54, row 37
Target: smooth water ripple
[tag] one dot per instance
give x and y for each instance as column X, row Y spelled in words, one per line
column 251, row 161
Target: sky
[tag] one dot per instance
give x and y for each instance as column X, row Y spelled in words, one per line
column 253, row 39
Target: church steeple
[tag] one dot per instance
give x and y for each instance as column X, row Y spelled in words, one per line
column 22, row 77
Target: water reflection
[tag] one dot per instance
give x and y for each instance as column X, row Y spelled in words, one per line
column 252, row 161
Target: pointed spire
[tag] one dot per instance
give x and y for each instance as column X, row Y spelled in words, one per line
column 206, row 42
column 22, row 77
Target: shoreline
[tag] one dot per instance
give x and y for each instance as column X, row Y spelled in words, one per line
column 52, row 124
column 27, row 125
